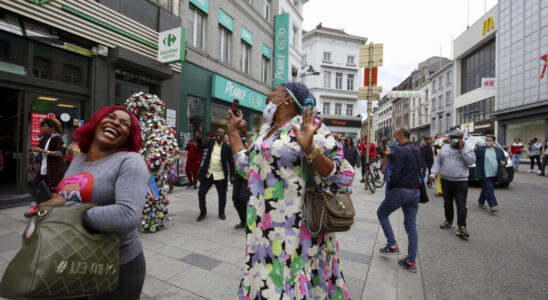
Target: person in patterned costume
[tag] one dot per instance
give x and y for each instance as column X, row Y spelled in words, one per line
column 284, row 260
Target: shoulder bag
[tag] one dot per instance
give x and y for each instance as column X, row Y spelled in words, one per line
column 325, row 212
column 62, row 259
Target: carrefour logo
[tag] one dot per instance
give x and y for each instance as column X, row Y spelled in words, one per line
column 39, row 2
column 169, row 40
column 281, row 38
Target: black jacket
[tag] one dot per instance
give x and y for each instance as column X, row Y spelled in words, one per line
column 351, row 155
column 427, row 155
column 226, row 159
column 406, row 165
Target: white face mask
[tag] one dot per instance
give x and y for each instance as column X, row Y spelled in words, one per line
column 488, row 144
column 269, row 111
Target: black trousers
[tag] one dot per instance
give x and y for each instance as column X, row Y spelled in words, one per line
column 457, row 191
column 537, row 158
column 544, row 162
column 221, row 187
column 130, row 282
column 240, row 196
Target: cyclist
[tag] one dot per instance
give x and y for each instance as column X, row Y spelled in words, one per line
column 363, row 150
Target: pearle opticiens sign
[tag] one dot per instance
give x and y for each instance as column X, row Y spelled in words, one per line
column 224, row 89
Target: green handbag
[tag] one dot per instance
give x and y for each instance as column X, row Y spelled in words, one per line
column 62, row 259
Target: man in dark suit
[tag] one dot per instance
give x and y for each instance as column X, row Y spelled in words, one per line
column 216, row 169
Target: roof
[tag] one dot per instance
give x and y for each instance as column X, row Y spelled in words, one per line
column 332, row 32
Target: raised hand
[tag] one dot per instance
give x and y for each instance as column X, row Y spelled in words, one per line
column 234, row 121
column 305, row 135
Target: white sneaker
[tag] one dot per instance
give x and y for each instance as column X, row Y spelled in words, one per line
column 538, row 172
column 531, row 171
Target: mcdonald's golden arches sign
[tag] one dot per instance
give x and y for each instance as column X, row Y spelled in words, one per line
column 488, row 24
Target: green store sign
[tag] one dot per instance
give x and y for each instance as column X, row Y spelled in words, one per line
column 225, row 20
column 227, row 90
column 247, row 36
column 281, row 52
column 202, row 5
column 267, row 52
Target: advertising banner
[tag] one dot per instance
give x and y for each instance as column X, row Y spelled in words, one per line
column 171, row 45
column 226, row 20
column 281, row 50
column 35, row 120
column 405, row 94
column 247, row 36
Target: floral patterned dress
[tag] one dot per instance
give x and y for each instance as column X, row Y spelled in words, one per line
column 283, row 259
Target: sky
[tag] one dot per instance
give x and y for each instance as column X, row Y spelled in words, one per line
column 411, row 30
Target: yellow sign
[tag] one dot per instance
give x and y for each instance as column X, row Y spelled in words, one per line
column 488, row 25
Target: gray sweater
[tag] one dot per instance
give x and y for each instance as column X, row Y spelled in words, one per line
column 117, row 184
column 452, row 163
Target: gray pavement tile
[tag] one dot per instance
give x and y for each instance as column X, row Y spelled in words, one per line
column 355, row 257
column 357, row 247
column 230, row 255
column 163, row 267
column 354, row 269
column 4, row 229
column 17, row 226
column 367, row 220
column 201, row 261
column 193, row 244
column 175, row 293
column 355, row 287
column 10, row 241
column 229, row 270
column 158, row 247
column 206, row 283
column 153, row 287
column 234, row 239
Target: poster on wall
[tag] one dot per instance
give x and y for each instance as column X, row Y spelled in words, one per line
column 171, row 118
column 35, row 120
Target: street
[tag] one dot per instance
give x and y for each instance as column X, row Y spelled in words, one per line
column 503, row 259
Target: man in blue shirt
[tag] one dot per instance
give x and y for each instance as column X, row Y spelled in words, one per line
column 404, row 192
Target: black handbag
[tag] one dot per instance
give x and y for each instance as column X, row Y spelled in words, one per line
column 504, row 174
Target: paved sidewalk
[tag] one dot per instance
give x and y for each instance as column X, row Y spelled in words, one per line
column 190, row 260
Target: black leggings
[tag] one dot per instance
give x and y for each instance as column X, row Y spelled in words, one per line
column 130, row 282
column 537, row 158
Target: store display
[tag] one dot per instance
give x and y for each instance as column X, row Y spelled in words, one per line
column 159, row 150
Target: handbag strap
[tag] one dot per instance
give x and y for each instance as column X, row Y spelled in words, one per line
column 310, row 183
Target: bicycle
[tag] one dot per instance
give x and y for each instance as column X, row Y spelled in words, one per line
column 373, row 177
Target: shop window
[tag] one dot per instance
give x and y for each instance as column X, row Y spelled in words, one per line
column 244, row 58
column 59, row 65
column 267, row 7
column 72, row 74
column 338, row 109
column 350, row 82
column 13, row 53
column 41, row 68
column 219, row 117
column 327, row 79
column 338, row 81
column 195, row 112
column 195, row 31
column 224, row 44
column 264, row 72
column 46, row 104
column 129, row 82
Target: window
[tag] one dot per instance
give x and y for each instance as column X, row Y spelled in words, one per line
column 327, row 79
column 195, row 32
column 295, row 40
column 406, row 119
column 434, row 85
column 338, row 81
column 433, row 125
column 265, row 70
column 326, row 108
column 244, row 58
column 72, row 74
column 350, row 82
column 478, row 64
column 350, row 109
column 448, row 77
column 441, row 82
column 440, row 123
column 447, row 121
column 224, row 44
column 440, row 101
column 350, row 60
column 267, row 4
column 338, row 109
column 41, row 68
column 327, row 56
column 448, row 98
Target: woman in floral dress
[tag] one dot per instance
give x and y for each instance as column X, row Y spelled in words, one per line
column 283, row 260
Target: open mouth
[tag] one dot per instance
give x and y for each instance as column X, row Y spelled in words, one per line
column 110, row 132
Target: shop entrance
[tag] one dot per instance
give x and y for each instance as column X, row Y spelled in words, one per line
column 12, row 143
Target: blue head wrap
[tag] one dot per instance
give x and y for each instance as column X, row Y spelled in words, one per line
column 300, row 94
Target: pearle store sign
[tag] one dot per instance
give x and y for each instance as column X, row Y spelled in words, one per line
column 227, row 90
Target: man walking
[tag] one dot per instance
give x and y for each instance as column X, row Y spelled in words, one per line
column 427, row 155
column 240, row 192
column 534, row 152
column 452, row 163
column 217, row 165
column 404, row 192
column 489, row 163
column 515, row 150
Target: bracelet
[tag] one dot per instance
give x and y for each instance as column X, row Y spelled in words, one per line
column 310, row 157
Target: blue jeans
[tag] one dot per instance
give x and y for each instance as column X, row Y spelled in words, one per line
column 515, row 160
column 408, row 200
column 488, row 191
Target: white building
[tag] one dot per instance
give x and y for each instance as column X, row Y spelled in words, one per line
column 335, row 55
column 475, row 53
column 441, row 104
column 295, row 10
column 522, row 85
column 382, row 120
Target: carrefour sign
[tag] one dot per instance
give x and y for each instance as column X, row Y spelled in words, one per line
column 171, row 45
column 224, row 89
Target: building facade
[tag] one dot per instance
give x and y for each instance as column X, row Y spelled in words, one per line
column 70, row 58
column 401, row 106
column 475, row 53
column 382, row 120
column 522, row 85
column 441, row 104
column 334, row 55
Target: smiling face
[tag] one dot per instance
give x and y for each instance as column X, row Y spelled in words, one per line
column 220, row 135
column 113, row 131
